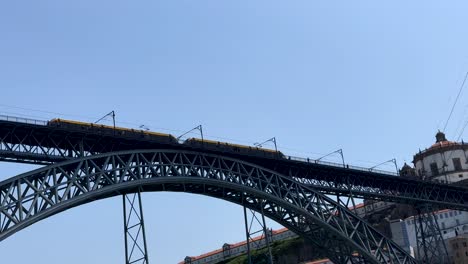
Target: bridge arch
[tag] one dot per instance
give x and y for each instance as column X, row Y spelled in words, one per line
column 33, row 196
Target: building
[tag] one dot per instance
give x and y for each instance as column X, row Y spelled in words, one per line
column 458, row 249
column 228, row 251
column 451, row 224
column 445, row 162
column 233, row 250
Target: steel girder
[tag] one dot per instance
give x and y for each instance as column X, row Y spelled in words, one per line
column 44, row 145
column 41, row 144
column 393, row 189
column 30, row 197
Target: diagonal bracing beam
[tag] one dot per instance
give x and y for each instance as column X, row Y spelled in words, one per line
column 431, row 248
column 257, row 220
column 343, row 236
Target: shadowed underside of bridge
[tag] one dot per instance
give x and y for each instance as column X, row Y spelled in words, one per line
column 29, row 142
column 30, row 197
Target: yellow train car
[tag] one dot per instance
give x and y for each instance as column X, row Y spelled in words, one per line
column 110, row 130
column 156, row 137
column 232, row 148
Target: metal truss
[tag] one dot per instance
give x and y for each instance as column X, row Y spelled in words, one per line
column 134, row 229
column 257, row 220
column 392, row 189
column 429, row 241
column 336, row 231
column 41, row 144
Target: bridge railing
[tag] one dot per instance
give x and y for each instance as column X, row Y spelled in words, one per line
column 23, row 120
column 347, row 166
column 307, row 160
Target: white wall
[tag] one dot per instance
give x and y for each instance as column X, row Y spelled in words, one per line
column 438, row 158
column 404, row 232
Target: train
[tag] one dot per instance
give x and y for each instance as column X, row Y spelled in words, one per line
column 162, row 138
column 105, row 130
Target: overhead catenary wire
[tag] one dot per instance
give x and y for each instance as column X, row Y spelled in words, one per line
column 461, row 132
column 455, row 102
column 246, row 142
column 461, row 123
column 450, row 115
column 91, row 119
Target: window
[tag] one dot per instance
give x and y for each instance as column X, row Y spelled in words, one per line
column 443, row 226
column 457, row 164
column 434, row 169
column 451, row 214
column 458, row 223
column 460, row 175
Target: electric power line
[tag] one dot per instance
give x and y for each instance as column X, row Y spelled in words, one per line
column 456, row 100
column 247, row 142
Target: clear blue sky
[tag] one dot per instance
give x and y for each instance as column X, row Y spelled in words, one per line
column 376, row 79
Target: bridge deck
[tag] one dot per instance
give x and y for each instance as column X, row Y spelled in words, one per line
column 32, row 141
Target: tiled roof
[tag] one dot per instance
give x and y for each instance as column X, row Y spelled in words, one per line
column 275, row 232
column 239, row 244
column 318, row 261
column 443, row 144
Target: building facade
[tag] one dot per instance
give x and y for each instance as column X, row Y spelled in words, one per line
column 451, row 223
column 445, row 161
column 228, row 251
column 458, row 249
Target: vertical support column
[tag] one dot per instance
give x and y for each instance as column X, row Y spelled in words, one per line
column 263, row 234
column 429, row 241
column 134, row 228
column 247, row 237
column 268, row 236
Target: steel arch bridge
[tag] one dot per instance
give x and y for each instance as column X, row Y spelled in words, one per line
column 30, row 197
